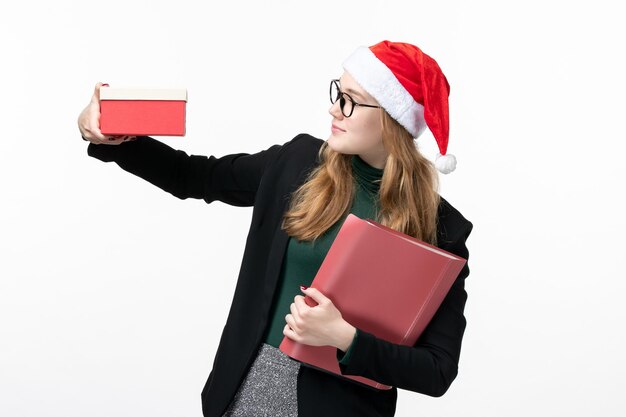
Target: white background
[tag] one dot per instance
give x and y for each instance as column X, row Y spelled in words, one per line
column 113, row 294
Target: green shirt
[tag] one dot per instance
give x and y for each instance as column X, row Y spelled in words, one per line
column 304, row 258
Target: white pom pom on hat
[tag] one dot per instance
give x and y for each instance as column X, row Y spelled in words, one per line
column 410, row 86
column 445, row 163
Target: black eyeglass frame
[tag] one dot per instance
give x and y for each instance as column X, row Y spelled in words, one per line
column 342, row 99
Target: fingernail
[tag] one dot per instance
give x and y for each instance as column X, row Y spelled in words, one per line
column 105, row 85
column 304, row 287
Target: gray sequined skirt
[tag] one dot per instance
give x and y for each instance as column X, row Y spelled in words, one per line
column 269, row 389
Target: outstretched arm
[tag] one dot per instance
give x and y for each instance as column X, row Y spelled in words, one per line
column 232, row 179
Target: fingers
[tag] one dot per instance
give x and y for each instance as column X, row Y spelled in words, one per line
column 300, row 304
column 288, row 331
column 294, row 318
column 117, row 139
column 96, row 92
column 89, row 119
column 93, row 122
column 292, row 323
column 315, row 294
column 295, row 312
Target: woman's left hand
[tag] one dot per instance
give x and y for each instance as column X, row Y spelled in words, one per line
column 321, row 325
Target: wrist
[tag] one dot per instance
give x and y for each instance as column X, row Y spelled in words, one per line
column 346, row 336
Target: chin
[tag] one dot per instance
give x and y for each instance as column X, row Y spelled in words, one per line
column 335, row 144
column 332, row 142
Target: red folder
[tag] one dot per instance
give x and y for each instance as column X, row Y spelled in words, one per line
column 383, row 282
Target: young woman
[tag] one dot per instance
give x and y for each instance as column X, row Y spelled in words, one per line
column 302, row 192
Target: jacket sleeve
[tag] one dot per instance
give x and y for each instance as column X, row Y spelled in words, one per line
column 430, row 366
column 232, row 179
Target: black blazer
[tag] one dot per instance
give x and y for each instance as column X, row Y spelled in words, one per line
column 266, row 180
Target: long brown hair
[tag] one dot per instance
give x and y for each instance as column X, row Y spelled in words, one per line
column 408, row 190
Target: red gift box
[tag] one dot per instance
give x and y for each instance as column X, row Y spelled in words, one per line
column 142, row 112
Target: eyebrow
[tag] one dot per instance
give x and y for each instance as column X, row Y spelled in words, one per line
column 354, row 93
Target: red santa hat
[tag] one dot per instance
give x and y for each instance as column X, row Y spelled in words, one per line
column 410, row 86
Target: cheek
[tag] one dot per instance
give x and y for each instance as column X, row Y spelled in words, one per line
column 374, row 132
column 363, row 127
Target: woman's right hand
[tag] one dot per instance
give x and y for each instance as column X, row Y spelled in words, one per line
column 89, row 123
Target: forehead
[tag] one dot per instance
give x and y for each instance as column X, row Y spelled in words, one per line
column 350, row 86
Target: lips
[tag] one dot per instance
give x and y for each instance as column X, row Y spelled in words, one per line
column 335, row 128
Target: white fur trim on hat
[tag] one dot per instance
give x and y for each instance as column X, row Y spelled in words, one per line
column 378, row 80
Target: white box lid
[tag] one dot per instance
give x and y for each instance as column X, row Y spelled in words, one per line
column 115, row 93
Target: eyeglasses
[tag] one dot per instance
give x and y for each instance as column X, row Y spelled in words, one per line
column 346, row 103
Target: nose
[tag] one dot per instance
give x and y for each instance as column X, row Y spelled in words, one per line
column 335, row 111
